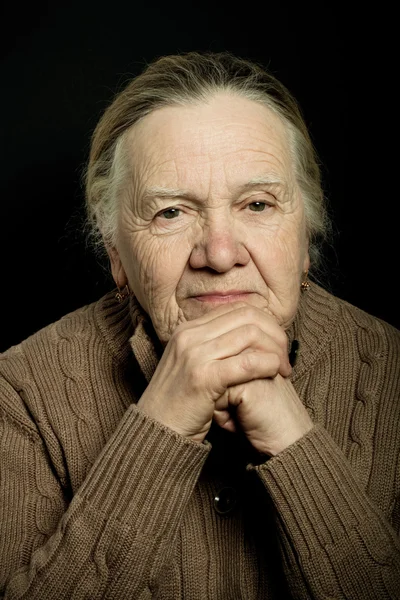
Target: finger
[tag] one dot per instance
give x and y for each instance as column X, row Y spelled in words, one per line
column 243, row 368
column 245, row 338
column 222, row 320
column 224, row 420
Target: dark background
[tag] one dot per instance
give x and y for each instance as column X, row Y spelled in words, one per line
column 60, row 67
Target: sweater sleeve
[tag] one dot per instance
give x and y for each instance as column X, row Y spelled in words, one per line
column 116, row 535
column 332, row 535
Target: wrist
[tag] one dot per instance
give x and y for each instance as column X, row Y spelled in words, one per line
column 286, row 440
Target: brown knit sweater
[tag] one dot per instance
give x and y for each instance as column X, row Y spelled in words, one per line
column 99, row 501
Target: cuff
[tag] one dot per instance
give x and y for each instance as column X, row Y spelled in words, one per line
column 145, row 475
column 314, row 491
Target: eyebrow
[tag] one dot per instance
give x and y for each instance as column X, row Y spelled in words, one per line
column 263, row 180
column 164, row 192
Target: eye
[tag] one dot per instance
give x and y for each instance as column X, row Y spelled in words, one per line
column 257, row 206
column 170, row 213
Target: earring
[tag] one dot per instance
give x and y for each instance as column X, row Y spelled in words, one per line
column 305, row 284
column 121, row 295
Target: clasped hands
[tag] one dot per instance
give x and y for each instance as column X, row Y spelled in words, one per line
column 230, row 365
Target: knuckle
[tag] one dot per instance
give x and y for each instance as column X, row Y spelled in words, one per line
column 244, row 312
column 250, row 333
column 274, row 363
column 181, row 339
column 253, row 331
column 248, row 312
column 247, row 362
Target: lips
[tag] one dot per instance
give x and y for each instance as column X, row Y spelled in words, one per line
column 221, row 297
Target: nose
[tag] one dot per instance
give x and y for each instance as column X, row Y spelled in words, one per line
column 220, row 247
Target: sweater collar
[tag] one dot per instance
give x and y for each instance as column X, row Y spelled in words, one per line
column 126, row 329
column 314, row 326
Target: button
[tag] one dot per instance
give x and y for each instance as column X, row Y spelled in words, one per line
column 225, row 500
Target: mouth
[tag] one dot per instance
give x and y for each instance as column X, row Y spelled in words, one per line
column 216, row 297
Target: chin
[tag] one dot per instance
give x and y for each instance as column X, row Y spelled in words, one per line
column 165, row 329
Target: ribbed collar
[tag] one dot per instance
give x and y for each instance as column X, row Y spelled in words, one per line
column 126, row 329
column 314, row 326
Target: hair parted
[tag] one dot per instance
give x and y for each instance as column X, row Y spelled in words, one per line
column 186, row 79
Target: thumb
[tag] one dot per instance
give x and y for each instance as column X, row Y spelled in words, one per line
column 224, row 419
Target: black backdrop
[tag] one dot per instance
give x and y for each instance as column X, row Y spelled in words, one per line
column 60, row 66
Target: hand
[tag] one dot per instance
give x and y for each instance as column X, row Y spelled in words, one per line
column 269, row 412
column 229, row 346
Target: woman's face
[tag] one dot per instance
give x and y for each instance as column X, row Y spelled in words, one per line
column 212, row 213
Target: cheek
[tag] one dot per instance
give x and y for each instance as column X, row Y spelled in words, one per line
column 154, row 267
column 280, row 267
column 282, row 253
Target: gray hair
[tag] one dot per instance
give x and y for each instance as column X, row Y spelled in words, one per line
column 182, row 80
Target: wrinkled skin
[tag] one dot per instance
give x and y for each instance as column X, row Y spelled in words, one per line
column 212, row 241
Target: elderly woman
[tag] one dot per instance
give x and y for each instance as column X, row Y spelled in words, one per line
column 219, row 427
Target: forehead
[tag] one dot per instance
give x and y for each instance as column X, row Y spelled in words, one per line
column 216, row 143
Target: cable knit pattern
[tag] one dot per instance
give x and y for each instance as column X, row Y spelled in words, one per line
column 368, row 391
column 97, row 500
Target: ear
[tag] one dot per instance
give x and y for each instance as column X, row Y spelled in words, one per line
column 117, row 269
column 306, row 262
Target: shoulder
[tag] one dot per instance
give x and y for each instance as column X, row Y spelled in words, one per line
column 102, row 325
column 80, row 348
column 374, row 337
column 333, row 331
column 45, row 346
column 39, row 365
column 357, row 348
column 53, row 385
column 377, row 345
column 337, row 316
